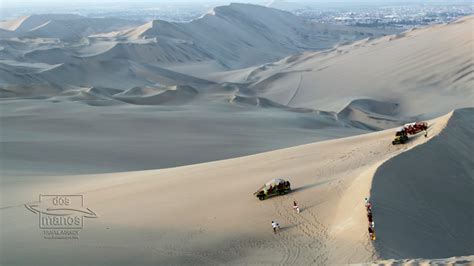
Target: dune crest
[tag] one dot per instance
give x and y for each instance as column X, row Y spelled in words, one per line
column 167, row 129
column 425, row 195
column 416, row 69
column 330, row 180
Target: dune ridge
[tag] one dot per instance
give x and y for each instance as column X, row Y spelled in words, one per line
column 167, row 140
column 408, row 70
column 330, row 182
column 425, row 196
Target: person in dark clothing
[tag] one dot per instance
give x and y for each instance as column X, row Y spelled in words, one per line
column 369, row 216
column 295, row 207
column 371, row 233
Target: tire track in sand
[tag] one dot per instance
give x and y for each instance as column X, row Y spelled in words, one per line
column 314, row 234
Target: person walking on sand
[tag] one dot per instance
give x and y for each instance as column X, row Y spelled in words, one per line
column 295, row 207
column 275, row 226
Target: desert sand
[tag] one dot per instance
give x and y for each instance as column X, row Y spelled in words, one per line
column 116, row 81
column 413, row 69
column 167, row 142
column 223, row 114
column 206, row 213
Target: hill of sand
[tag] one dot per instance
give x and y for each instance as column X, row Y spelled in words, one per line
column 108, row 100
column 206, row 213
column 427, row 194
column 113, row 77
column 98, row 85
column 243, row 35
column 414, row 69
column 231, row 37
column 100, row 130
column 66, row 27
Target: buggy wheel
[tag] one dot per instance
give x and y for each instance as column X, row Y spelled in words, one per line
column 261, row 197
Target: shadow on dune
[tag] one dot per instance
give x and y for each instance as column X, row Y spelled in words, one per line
column 305, row 187
column 423, row 200
column 288, row 227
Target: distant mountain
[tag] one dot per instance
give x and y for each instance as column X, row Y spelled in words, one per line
column 64, row 49
column 66, row 27
column 233, row 36
column 242, row 35
column 424, row 70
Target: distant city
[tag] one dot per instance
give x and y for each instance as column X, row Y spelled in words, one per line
column 394, row 16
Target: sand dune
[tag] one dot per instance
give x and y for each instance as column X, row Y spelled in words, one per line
column 154, row 52
column 119, row 73
column 113, row 79
column 67, row 27
column 413, row 69
column 220, row 40
column 426, row 194
column 175, row 95
column 374, row 115
column 13, row 24
column 154, row 212
column 27, row 23
column 39, row 132
column 167, row 139
column 240, row 35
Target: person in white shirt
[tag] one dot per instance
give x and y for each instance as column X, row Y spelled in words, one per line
column 275, row 226
column 368, row 205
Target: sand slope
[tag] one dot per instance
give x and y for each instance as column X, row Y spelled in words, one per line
column 67, row 27
column 243, row 35
column 98, row 130
column 206, row 213
column 426, row 194
column 232, row 37
column 128, row 100
column 464, row 260
column 414, row 69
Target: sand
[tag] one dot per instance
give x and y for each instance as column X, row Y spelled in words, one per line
column 431, row 199
column 413, row 69
column 42, row 137
column 206, row 213
column 167, row 147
